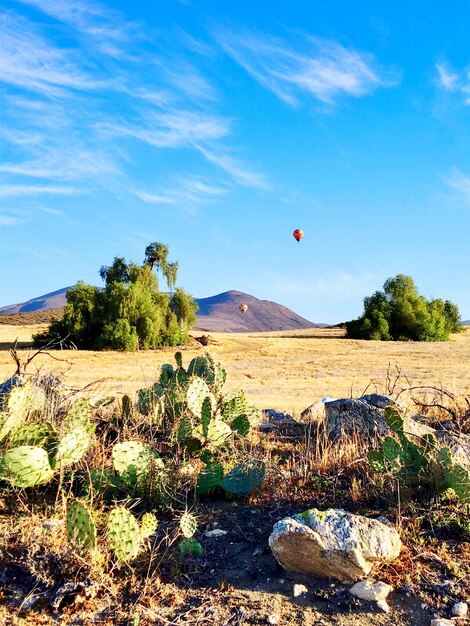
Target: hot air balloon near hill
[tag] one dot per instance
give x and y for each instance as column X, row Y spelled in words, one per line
column 298, row 234
column 243, row 308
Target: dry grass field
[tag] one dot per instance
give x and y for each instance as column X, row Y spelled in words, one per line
column 282, row 370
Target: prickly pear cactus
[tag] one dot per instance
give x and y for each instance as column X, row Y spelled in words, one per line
column 244, row 478
column 149, row 400
column 81, row 528
column 190, row 547
column 126, row 409
column 215, row 434
column 188, row 525
column 105, row 483
column 254, row 416
column 210, row 477
column 32, row 435
column 123, row 534
column 148, row 525
column 134, row 456
column 99, row 401
column 22, row 402
column 196, row 393
column 233, row 405
column 241, row 425
column 455, row 476
column 26, row 400
column 72, row 447
column 204, row 367
column 77, row 415
column 25, row 466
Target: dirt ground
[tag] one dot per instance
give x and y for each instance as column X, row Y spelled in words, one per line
column 236, row 582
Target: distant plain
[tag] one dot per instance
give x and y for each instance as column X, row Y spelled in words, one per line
column 285, row 370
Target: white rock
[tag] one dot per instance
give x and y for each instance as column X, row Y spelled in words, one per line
column 442, row 622
column 299, row 590
column 383, row 605
column 217, row 532
column 333, row 544
column 370, row 589
column 273, row 619
column 460, row 609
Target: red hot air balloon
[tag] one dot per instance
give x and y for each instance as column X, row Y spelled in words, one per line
column 298, row 234
column 243, row 308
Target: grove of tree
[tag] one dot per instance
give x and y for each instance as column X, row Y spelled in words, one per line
column 399, row 313
column 130, row 312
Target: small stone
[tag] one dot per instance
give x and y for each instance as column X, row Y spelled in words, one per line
column 383, row 606
column 372, row 590
column 460, row 609
column 217, row 532
column 299, row 590
column 442, row 622
column 273, row 619
column 51, row 524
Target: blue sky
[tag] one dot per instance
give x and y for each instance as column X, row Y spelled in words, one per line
column 218, row 128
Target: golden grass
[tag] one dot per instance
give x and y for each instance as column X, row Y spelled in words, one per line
column 282, row 370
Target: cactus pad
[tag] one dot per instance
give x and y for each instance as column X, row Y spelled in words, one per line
column 32, row 435
column 123, row 534
column 210, row 478
column 188, row 525
column 77, row 415
column 190, row 547
column 148, row 525
column 204, row 367
column 233, row 405
column 81, row 528
column 134, row 456
column 25, row 466
column 196, row 393
column 243, row 478
column 72, row 447
column 241, row 425
column 99, row 401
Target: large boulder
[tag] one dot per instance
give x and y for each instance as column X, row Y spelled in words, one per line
column 333, row 544
column 363, row 419
column 355, row 416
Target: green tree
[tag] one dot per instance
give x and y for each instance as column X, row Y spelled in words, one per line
column 399, row 312
column 130, row 312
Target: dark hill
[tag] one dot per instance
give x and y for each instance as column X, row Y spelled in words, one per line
column 53, row 300
column 221, row 313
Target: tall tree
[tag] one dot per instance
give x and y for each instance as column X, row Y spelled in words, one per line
column 131, row 312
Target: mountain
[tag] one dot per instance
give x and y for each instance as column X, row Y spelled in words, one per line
column 466, row 323
column 218, row 313
column 221, row 313
column 53, row 300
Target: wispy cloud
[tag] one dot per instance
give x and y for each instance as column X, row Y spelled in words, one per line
column 8, row 220
column 175, row 129
column 83, row 81
column 235, row 168
column 319, row 68
column 453, row 81
column 459, row 183
column 185, row 194
column 11, row 190
column 28, row 61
